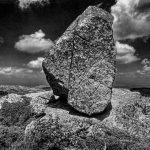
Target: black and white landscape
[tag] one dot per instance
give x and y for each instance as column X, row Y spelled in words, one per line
column 74, row 74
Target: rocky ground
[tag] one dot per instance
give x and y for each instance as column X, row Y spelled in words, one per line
column 31, row 119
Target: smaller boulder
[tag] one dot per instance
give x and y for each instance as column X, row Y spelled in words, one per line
column 130, row 113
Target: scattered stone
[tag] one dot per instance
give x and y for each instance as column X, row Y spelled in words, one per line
column 72, row 132
column 127, row 126
column 130, row 113
column 18, row 109
column 83, row 62
column 39, row 103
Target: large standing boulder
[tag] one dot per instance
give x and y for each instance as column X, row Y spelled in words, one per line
column 82, row 62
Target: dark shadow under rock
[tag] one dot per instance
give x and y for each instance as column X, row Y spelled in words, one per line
column 62, row 104
column 3, row 93
column 37, row 116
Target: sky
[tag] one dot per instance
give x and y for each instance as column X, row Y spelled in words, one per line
column 29, row 27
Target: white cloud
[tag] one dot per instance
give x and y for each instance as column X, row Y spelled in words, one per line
column 131, row 19
column 36, row 63
column 125, row 53
column 23, row 4
column 33, row 43
column 146, row 66
column 14, row 70
column 146, row 69
column 145, row 62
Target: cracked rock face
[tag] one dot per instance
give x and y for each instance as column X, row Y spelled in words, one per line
column 82, row 62
column 126, row 128
column 34, row 121
column 68, row 132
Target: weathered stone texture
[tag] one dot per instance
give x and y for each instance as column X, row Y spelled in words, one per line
column 130, row 113
column 35, row 122
column 83, row 62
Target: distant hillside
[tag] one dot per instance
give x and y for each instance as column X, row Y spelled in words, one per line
column 16, row 89
column 143, row 91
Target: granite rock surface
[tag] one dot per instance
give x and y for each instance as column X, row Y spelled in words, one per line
column 36, row 121
column 126, row 128
column 81, row 65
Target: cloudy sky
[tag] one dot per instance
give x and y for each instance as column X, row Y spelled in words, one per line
column 29, row 27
